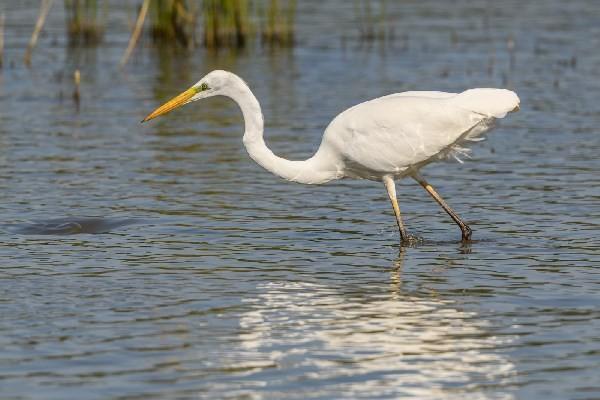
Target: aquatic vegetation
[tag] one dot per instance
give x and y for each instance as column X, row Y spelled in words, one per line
column 173, row 21
column 76, row 91
column 278, row 23
column 39, row 24
column 371, row 20
column 135, row 34
column 225, row 23
column 83, row 22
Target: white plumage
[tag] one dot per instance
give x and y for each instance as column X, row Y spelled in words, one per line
column 382, row 139
column 398, row 133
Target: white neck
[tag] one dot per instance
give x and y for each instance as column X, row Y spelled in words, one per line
column 317, row 169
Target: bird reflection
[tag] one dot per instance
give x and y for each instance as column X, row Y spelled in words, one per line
column 466, row 247
column 395, row 341
column 396, row 272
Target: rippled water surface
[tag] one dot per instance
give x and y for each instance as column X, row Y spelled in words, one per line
column 158, row 261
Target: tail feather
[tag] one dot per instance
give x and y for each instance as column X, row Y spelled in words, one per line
column 489, row 102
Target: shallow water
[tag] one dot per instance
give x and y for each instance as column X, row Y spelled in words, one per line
column 230, row 283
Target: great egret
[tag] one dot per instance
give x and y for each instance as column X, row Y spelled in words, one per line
column 384, row 139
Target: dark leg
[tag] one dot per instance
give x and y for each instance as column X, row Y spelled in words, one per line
column 466, row 231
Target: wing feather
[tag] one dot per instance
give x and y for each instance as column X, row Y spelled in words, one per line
column 392, row 133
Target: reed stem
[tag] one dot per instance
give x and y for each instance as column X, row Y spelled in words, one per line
column 172, row 22
column 372, row 21
column 76, row 91
column 1, row 39
column 39, row 24
column 135, row 34
column 278, row 24
column 82, row 22
column 226, row 23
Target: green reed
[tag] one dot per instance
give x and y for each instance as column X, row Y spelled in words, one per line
column 226, row 23
column 173, row 21
column 372, row 21
column 235, row 23
column 83, row 25
column 278, row 23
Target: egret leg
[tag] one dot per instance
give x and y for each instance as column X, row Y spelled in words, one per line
column 390, row 186
column 466, row 231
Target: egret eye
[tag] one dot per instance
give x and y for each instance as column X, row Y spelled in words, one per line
column 203, row 87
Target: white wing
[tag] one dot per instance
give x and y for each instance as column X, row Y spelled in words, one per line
column 392, row 133
column 421, row 93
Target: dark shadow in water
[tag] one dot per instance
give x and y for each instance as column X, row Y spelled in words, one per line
column 72, row 226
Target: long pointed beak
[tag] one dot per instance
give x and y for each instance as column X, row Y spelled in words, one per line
column 172, row 104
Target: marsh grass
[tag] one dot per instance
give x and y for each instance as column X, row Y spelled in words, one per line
column 173, row 21
column 83, row 22
column 371, row 17
column 277, row 28
column 237, row 23
column 226, row 23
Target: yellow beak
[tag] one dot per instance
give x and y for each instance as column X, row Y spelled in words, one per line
column 172, row 104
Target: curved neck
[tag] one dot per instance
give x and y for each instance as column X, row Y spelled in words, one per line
column 317, row 169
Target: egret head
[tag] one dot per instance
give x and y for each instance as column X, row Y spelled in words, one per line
column 213, row 84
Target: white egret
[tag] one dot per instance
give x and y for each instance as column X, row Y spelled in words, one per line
column 384, row 139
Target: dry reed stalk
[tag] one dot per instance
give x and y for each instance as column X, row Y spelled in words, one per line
column 76, row 92
column 39, row 24
column 135, row 34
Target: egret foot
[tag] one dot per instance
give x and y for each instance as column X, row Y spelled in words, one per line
column 466, row 233
column 410, row 240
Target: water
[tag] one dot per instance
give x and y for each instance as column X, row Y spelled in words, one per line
column 209, row 278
